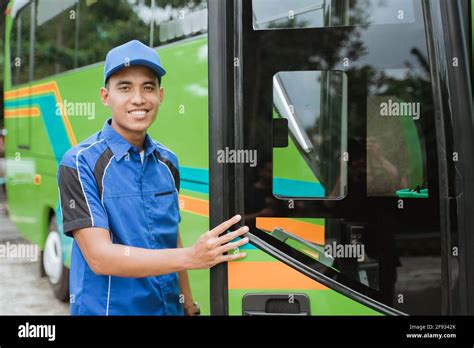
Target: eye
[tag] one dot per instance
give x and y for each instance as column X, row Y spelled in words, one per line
column 123, row 88
column 149, row 88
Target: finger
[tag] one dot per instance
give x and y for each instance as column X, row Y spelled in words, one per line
column 231, row 257
column 232, row 235
column 225, row 225
column 233, row 245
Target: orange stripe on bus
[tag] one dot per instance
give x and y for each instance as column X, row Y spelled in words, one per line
column 42, row 89
column 65, row 118
column 23, row 112
column 194, row 205
column 31, row 90
column 268, row 275
column 310, row 232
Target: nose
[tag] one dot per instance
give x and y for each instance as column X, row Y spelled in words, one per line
column 137, row 97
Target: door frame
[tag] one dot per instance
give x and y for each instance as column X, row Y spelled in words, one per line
column 451, row 90
column 221, row 111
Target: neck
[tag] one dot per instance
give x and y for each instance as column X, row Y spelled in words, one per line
column 134, row 138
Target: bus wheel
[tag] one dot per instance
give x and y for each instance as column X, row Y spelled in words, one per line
column 52, row 263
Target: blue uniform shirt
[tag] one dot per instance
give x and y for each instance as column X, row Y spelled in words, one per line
column 103, row 183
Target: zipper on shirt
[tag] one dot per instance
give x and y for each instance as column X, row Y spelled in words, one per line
column 163, row 193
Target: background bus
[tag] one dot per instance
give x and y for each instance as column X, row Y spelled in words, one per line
column 53, row 72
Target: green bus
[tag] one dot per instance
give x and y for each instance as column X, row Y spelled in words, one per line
column 340, row 129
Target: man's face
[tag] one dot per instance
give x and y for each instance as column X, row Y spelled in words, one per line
column 134, row 96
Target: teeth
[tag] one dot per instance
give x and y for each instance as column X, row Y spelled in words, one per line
column 137, row 113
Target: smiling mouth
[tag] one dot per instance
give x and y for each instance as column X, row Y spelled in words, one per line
column 138, row 112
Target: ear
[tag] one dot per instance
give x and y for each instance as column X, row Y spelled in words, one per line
column 162, row 94
column 104, row 96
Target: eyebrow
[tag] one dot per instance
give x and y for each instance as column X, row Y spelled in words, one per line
column 151, row 82
column 123, row 82
column 126, row 82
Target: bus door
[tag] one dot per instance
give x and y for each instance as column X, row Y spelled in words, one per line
column 22, row 62
column 327, row 143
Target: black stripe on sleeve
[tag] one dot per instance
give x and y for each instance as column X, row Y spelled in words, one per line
column 100, row 166
column 174, row 171
column 74, row 207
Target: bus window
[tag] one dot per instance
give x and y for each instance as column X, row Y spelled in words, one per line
column 55, row 34
column 179, row 20
column 396, row 158
column 315, row 105
column 20, row 46
column 104, row 24
column 72, row 34
column 284, row 14
column 22, row 65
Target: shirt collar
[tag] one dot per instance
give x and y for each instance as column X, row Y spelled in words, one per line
column 119, row 145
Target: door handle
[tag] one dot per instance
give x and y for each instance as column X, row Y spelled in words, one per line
column 272, row 304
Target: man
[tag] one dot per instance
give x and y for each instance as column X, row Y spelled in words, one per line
column 119, row 201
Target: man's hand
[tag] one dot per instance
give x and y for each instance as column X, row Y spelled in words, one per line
column 107, row 258
column 209, row 248
column 192, row 310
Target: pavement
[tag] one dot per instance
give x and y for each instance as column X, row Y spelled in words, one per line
column 22, row 290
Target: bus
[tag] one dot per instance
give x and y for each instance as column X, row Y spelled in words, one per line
column 341, row 130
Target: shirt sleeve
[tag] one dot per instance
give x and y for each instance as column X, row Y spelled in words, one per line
column 81, row 205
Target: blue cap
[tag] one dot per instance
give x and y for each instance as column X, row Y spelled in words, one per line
column 132, row 53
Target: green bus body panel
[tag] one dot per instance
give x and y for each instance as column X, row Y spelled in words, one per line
column 323, row 302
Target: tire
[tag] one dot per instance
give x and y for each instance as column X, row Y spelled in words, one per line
column 52, row 266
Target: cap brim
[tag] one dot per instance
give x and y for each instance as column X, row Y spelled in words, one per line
column 157, row 69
